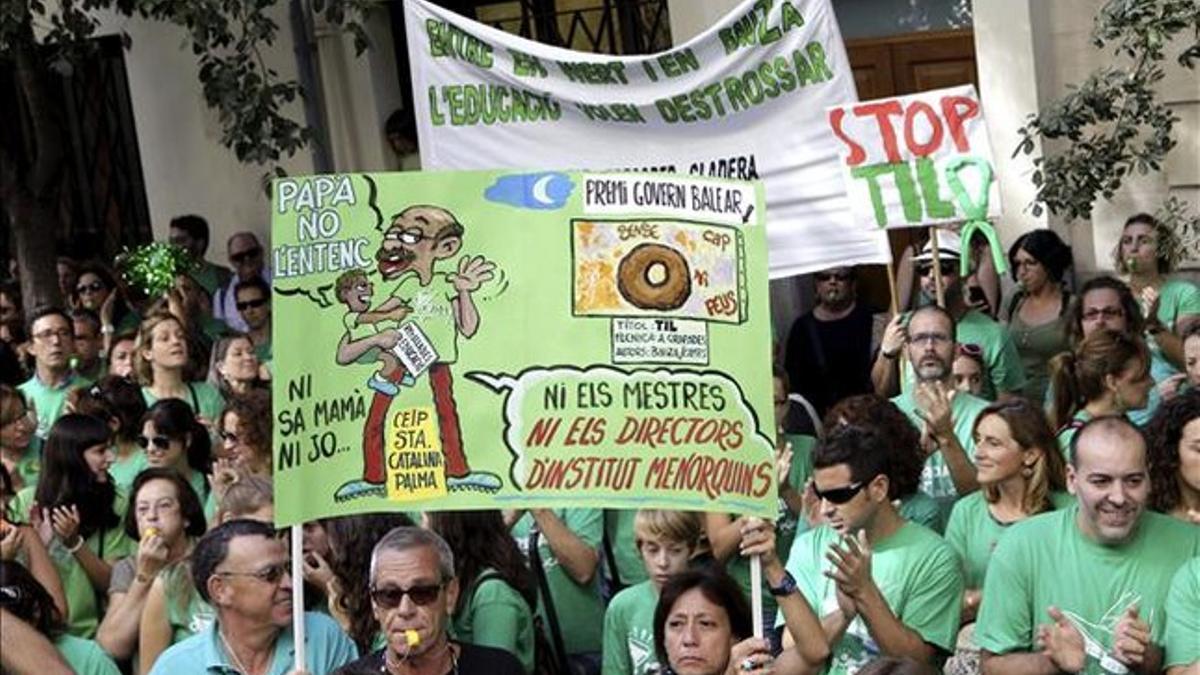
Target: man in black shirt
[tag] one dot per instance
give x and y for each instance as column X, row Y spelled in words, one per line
column 828, row 353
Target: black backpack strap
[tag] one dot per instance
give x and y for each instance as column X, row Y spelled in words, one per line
column 535, row 562
column 195, row 400
column 610, row 558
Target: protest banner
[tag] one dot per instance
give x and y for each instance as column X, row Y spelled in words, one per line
column 902, row 158
column 459, row 340
column 745, row 99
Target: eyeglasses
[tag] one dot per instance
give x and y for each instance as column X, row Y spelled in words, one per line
column 390, row 597
column 1103, row 312
column 934, row 339
column 27, row 416
column 245, row 256
column 251, row 304
column 160, row 442
column 831, row 276
column 948, row 269
column 61, row 334
column 409, row 237
column 94, row 287
column 840, row 495
column 270, row 574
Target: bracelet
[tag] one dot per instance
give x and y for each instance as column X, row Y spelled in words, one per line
column 890, row 356
column 107, row 329
column 73, row 549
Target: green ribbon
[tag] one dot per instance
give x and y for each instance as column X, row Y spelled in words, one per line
column 975, row 211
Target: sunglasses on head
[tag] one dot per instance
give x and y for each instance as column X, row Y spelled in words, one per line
column 970, row 349
column 250, row 304
column 390, row 597
column 244, row 256
column 160, row 442
column 948, row 268
column 840, row 495
column 94, row 287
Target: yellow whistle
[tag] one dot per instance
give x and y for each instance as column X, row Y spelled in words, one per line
column 412, row 637
column 150, row 532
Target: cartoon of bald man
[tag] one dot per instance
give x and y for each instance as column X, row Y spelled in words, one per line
column 441, row 305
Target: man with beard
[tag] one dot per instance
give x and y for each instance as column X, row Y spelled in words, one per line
column 1005, row 376
column 441, row 306
column 1083, row 589
column 945, row 417
column 828, row 353
column 241, row 569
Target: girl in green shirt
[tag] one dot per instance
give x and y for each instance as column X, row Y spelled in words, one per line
column 118, row 401
column 173, row 438
column 1173, row 449
column 1019, row 470
column 18, row 444
column 498, row 594
column 28, row 601
column 1107, row 374
column 162, row 361
column 77, row 507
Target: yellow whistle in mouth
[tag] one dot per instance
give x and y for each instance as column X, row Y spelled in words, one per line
column 412, row 637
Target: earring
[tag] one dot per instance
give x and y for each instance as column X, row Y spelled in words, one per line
column 1027, row 470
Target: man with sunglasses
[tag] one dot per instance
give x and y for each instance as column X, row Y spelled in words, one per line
column 1085, row 589
column 1005, row 376
column 881, row 585
column 246, row 257
column 828, row 354
column 413, row 591
column 241, row 569
column 254, row 304
column 52, row 343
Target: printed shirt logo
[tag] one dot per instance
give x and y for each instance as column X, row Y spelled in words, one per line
column 1097, row 636
column 640, row 643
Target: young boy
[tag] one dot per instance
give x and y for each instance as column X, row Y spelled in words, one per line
column 666, row 542
column 354, row 290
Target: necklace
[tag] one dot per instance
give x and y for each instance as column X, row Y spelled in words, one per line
column 233, row 655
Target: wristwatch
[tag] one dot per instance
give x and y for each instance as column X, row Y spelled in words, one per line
column 786, row 586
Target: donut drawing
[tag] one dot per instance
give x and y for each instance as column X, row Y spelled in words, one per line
column 654, row 276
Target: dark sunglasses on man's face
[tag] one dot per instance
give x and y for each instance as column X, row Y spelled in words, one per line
column 160, row 442
column 390, row 597
column 251, row 304
column 245, row 256
column 840, row 495
column 948, row 269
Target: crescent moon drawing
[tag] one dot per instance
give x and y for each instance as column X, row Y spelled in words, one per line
column 539, row 190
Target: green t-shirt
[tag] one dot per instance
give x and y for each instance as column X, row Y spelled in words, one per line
column 1177, row 299
column 577, row 606
column 211, row 276
column 1045, row 560
column 112, row 544
column 964, row 409
column 204, row 399
column 85, row 656
column 915, row 570
column 1183, row 616
column 356, row 331
column 432, row 311
column 973, row 533
column 622, row 541
column 125, row 469
column 187, row 613
column 49, row 401
column 629, row 632
column 29, row 466
column 497, row 616
column 922, row 509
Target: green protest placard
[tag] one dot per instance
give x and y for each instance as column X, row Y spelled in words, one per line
column 470, row 340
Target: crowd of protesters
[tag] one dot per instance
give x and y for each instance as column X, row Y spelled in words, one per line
column 988, row 484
